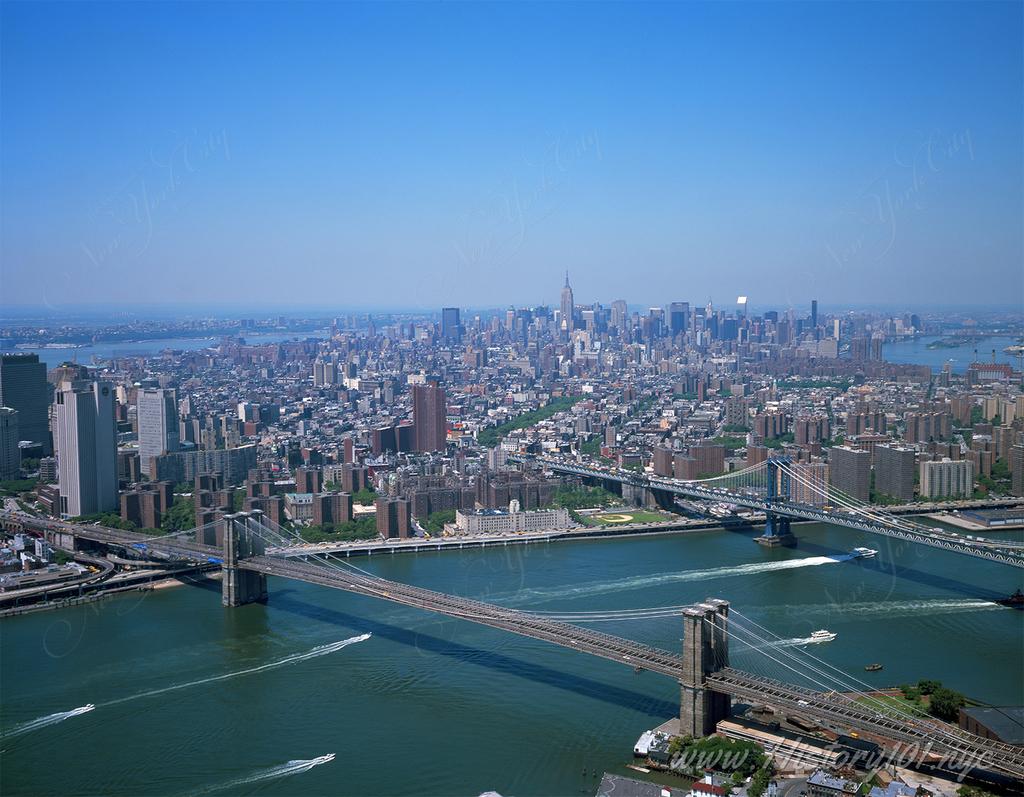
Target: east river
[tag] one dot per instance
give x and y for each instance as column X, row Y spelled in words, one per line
column 192, row 698
column 916, row 351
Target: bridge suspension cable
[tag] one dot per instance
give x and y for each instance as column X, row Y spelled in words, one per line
column 752, row 476
column 840, row 693
column 831, row 494
column 843, row 687
column 836, row 496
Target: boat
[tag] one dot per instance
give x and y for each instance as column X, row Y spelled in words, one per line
column 823, row 636
column 863, row 553
column 1016, row 349
column 872, row 667
column 1016, row 600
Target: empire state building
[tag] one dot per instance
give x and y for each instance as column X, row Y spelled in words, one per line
column 568, row 308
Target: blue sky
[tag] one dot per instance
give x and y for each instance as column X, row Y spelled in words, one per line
column 414, row 155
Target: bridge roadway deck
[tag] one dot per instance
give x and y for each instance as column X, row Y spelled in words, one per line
column 831, row 708
column 606, row 646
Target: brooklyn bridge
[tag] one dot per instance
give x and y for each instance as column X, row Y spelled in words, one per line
column 249, row 548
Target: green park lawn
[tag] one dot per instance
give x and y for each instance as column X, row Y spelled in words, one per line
column 627, row 516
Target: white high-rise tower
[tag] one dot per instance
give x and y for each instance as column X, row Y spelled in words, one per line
column 86, row 448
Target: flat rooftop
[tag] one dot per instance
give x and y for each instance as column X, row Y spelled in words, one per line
column 1006, row 722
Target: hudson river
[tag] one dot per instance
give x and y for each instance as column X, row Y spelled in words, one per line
column 137, row 348
column 192, row 698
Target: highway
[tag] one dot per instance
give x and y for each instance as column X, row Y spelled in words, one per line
column 169, row 547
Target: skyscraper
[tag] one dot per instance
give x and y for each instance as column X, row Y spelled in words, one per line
column 429, row 411
column 10, row 454
column 451, row 331
column 1016, row 457
column 619, row 315
column 158, row 424
column 568, row 307
column 814, row 313
column 678, row 313
column 894, row 471
column 87, row 449
column 947, row 479
column 23, row 388
column 850, row 471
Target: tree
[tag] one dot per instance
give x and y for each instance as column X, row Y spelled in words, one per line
column 108, row 519
column 364, row 497
column 363, row 528
column 911, row 693
column 584, row 498
column 434, row 522
column 489, row 438
column 180, row 516
column 927, row 686
column 946, row 704
column 760, row 781
column 716, row 752
column 973, row 791
column 14, row 487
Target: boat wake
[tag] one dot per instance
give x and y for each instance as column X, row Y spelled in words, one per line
column 643, row 582
column 780, row 643
column 315, row 653
column 887, row 608
column 294, row 767
column 47, row 721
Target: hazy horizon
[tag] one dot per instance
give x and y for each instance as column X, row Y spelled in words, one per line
column 416, row 156
column 171, row 312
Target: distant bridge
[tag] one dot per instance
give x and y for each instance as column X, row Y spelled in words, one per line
column 770, row 486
